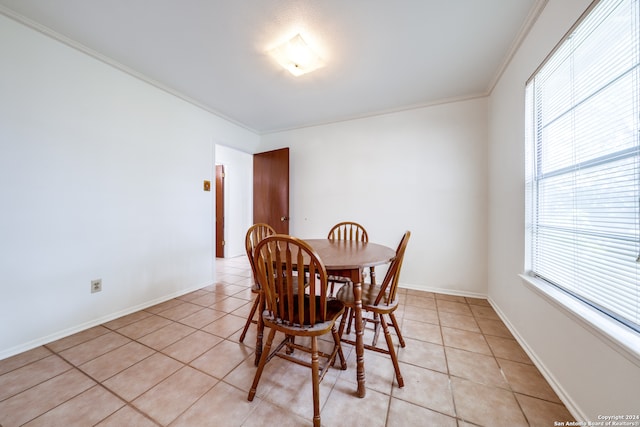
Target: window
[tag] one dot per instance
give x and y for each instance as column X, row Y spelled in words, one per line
column 583, row 163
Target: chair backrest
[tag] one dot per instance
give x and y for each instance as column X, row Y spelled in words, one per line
column 348, row 230
column 389, row 285
column 278, row 260
column 255, row 234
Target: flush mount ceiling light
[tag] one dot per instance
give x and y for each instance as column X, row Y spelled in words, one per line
column 296, row 56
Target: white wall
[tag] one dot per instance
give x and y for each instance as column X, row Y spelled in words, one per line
column 238, row 198
column 592, row 377
column 422, row 170
column 100, row 177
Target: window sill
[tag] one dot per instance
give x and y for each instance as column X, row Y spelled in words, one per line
column 622, row 339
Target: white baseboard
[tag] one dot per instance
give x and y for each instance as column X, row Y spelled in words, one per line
column 452, row 292
column 571, row 406
column 92, row 323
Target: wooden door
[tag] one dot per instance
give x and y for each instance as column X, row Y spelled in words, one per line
column 219, row 211
column 271, row 189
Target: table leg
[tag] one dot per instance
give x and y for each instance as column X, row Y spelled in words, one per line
column 357, row 297
column 355, row 275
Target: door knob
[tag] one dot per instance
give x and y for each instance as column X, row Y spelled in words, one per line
column 284, row 218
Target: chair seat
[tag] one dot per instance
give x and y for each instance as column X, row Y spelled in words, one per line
column 334, row 309
column 369, row 294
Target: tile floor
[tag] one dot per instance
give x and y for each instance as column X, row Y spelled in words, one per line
column 179, row 363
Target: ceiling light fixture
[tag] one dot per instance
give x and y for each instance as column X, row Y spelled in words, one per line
column 296, row 56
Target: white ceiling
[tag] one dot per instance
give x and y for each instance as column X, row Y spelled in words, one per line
column 380, row 55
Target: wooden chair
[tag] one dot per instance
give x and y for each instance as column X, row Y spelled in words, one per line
column 255, row 234
column 348, row 230
column 381, row 301
column 288, row 309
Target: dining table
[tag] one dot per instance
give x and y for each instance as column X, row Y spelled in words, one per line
column 348, row 259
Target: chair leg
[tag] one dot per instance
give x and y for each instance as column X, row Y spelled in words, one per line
column 260, row 332
column 397, row 328
column 392, row 351
column 249, row 321
column 376, row 328
column 352, row 315
column 291, row 340
column 336, row 342
column 343, row 321
column 263, row 361
column 315, row 377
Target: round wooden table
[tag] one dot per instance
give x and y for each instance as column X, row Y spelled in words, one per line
column 347, row 258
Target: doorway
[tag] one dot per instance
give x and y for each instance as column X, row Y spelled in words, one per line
column 220, row 211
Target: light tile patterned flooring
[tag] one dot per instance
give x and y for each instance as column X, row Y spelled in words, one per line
column 179, row 363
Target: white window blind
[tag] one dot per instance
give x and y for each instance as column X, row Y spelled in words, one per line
column 583, row 162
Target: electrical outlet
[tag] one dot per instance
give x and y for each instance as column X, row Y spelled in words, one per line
column 96, row 285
